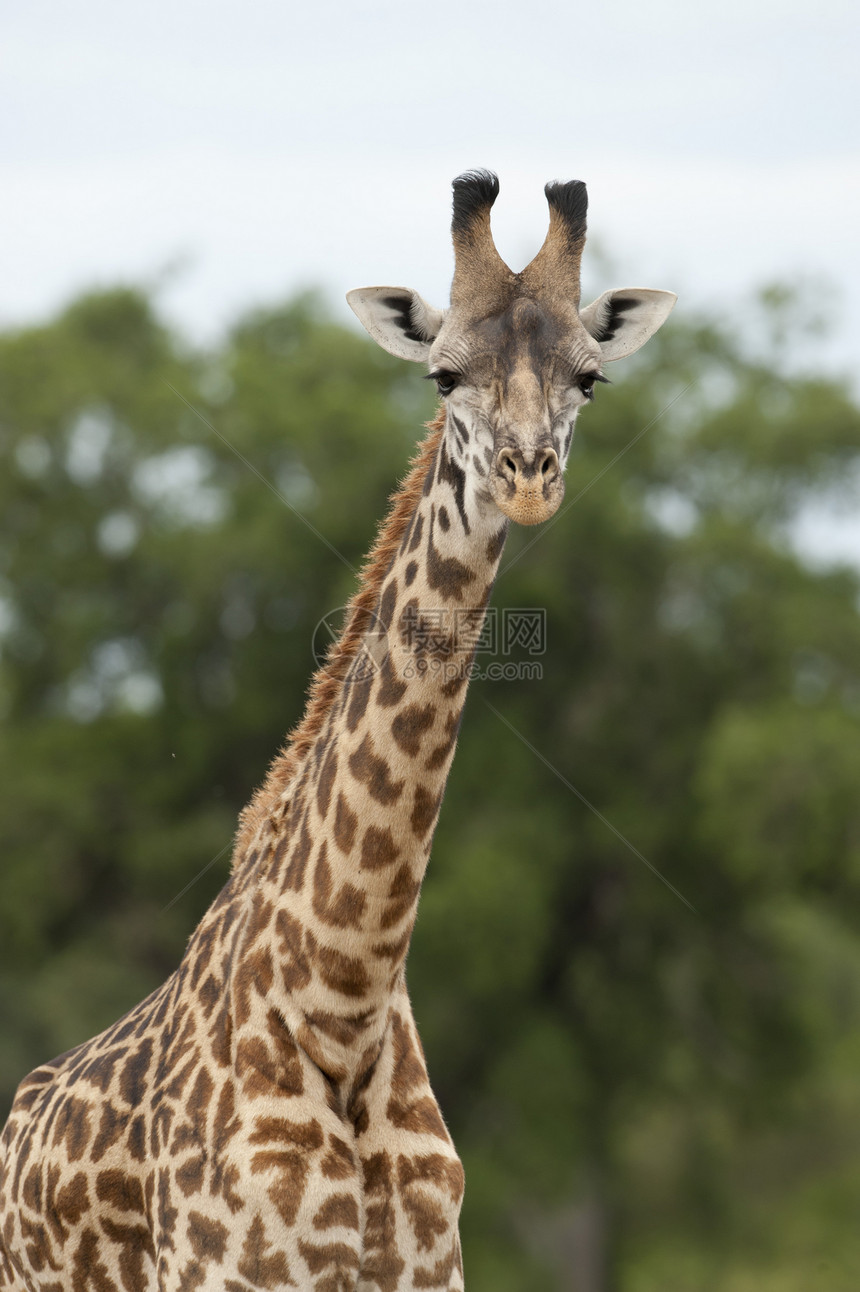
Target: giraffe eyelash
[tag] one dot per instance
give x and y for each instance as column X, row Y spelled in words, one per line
column 586, row 381
column 445, row 381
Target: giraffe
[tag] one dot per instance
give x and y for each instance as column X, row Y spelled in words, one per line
column 264, row 1119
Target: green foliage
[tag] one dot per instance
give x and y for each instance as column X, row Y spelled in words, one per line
column 672, row 1090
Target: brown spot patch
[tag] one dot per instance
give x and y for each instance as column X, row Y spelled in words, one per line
column 159, row 1131
column 359, row 687
column 136, row 1141
column 371, row 770
column 225, row 1174
column 189, row 1176
column 281, row 1130
column 382, row 1263
column 120, row 1190
column 451, row 473
column 402, row 896
column 208, row 1238
column 132, row 1083
column 344, row 974
column 73, row 1126
column 99, row 1071
column 424, row 633
column 295, row 873
column 339, row 1161
column 166, row 1213
column 64, row 1208
column 282, row 843
column 418, row 527
column 394, row 951
column 209, row 994
column 496, row 543
column 191, row 1277
column 338, row 1255
column 343, row 911
column 439, row 1169
column 260, row 1264
column 378, row 848
column 387, row 602
column 439, row 1275
column 87, row 1268
column 328, row 771
column 175, row 1088
column 345, row 822
column 192, row 1133
column 431, row 1188
column 441, row 751
column 221, row 1036
column 445, row 574
column 263, row 1072
column 455, row 684
column 340, row 1209
column 288, row 1163
column 111, row 1128
column 427, row 1216
column 344, row 1029
column 425, row 809
column 253, row 975
column 297, row 947
column 391, row 688
column 411, row 1106
column 410, row 725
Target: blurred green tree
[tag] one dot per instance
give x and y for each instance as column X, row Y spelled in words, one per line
column 649, row 1090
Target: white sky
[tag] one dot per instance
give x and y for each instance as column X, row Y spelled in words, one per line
column 266, row 145
column 232, row 152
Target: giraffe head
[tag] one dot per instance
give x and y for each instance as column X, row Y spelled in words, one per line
column 514, row 356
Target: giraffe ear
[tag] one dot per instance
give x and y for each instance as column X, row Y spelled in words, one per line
column 397, row 319
column 623, row 320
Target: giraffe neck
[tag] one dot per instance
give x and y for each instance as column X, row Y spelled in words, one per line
column 340, row 852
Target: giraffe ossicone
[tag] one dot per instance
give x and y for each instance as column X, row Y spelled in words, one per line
column 264, row 1119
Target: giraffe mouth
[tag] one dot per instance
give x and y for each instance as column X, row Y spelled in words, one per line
column 527, row 503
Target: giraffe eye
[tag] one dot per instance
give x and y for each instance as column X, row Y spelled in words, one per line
column 587, row 381
column 445, row 381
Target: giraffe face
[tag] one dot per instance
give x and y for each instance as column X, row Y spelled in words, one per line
column 513, row 383
column 514, row 357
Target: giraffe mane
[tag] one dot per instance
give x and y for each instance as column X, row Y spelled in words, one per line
column 325, row 684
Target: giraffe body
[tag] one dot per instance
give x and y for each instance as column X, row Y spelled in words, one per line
column 265, row 1119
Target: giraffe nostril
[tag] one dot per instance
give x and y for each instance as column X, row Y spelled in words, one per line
column 549, row 465
column 506, row 465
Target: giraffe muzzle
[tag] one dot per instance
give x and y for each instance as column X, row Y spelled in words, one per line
column 528, row 488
